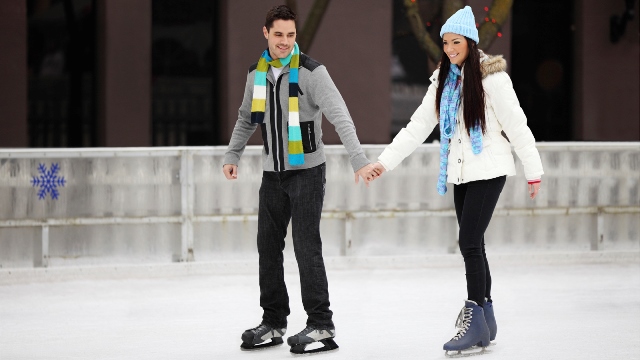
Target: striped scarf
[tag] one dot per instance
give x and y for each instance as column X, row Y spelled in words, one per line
column 449, row 104
column 258, row 104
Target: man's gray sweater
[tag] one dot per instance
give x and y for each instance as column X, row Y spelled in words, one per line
column 317, row 95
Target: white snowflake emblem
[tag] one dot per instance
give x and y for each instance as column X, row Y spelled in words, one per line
column 48, row 181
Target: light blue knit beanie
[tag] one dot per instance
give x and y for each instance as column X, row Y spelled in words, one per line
column 462, row 23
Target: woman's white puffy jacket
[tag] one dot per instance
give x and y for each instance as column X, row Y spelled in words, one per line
column 502, row 113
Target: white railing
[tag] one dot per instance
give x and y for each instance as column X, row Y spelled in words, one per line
column 149, row 203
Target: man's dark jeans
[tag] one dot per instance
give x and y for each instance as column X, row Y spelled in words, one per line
column 297, row 195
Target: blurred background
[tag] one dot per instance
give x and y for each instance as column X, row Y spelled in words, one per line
column 116, row 115
column 110, row 73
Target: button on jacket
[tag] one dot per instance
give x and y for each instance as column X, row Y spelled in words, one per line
column 502, row 113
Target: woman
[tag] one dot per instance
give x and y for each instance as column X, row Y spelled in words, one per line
column 472, row 98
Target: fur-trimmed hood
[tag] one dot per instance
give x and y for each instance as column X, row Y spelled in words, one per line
column 491, row 64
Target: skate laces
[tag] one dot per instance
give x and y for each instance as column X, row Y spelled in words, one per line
column 306, row 330
column 309, row 329
column 463, row 322
column 259, row 327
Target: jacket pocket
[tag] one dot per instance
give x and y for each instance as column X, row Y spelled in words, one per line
column 263, row 129
column 308, row 136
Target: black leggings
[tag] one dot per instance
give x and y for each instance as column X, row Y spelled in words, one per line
column 475, row 202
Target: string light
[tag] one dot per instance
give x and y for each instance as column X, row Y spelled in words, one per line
column 487, row 19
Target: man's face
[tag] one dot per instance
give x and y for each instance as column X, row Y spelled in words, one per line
column 281, row 38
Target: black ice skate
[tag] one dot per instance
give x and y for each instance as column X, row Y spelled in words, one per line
column 310, row 335
column 472, row 336
column 254, row 339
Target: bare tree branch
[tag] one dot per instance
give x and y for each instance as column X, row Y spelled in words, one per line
column 417, row 26
column 488, row 30
column 305, row 38
column 449, row 7
column 293, row 5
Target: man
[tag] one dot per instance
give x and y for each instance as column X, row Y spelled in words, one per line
column 286, row 94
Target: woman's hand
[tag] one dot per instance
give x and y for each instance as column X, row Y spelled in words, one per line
column 375, row 171
column 533, row 189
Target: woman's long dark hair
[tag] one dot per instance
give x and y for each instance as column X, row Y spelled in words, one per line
column 472, row 90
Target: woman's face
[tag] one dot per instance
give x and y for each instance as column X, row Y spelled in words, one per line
column 456, row 48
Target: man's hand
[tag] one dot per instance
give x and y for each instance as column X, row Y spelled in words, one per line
column 369, row 173
column 230, row 171
column 362, row 172
column 375, row 171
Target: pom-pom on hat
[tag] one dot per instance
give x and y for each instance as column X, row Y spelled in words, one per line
column 463, row 23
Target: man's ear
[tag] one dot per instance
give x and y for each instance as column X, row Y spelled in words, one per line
column 265, row 32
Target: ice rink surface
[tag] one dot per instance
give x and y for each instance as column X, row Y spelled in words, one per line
column 563, row 311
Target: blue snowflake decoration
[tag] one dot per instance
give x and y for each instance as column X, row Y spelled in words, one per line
column 48, row 181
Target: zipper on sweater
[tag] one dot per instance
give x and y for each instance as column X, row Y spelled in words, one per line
column 275, row 121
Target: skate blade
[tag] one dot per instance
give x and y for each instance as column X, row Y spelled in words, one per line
column 275, row 341
column 472, row 351
column 329, row 345
column 491, row 343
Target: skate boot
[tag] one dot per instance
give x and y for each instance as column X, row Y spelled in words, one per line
column 254, row 339
column 490, row 318
column 310, row 335
column 472, row 330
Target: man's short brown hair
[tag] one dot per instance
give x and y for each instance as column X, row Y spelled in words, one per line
column 279, row 12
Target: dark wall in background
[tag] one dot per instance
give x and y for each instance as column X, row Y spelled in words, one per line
column 124, row 72
column 541, row 69
column 573, row 82
column 13, row 72
column 185, row 73
column 61, row 73
column 607, row 85
column 117, row 84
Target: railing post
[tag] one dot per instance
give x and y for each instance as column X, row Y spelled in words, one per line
column 598, row 243
column 187, row 197
column 41, row 250
column 455, row 245
column 348, row 234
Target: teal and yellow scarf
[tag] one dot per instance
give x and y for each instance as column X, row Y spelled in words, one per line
column 258, row 104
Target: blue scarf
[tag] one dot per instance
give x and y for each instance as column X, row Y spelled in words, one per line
column 449, row 104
